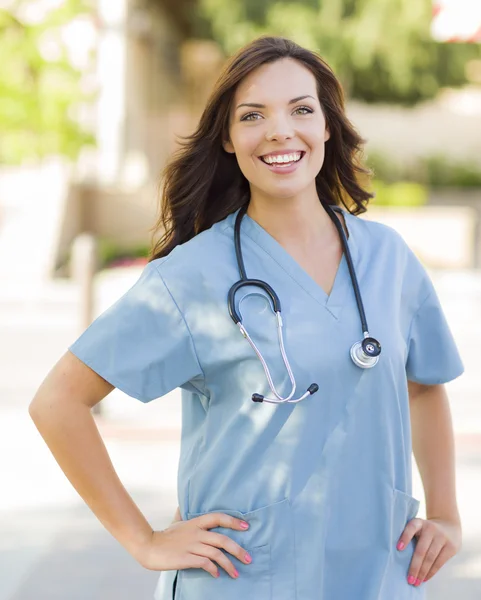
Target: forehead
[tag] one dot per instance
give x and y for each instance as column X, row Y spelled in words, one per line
column 280, row 80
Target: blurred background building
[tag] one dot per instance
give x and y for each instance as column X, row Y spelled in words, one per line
column 94, row 95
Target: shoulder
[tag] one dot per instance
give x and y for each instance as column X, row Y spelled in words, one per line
column 379, row 240
column 379, row 234
column 388, row 245
column 204, row 253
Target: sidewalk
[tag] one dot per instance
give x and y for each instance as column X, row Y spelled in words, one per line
column 53, row 548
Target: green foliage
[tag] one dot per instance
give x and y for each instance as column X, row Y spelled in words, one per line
column 402, row 193
column 112, row 253
column 380, row 49
column 440, row 171
column 435, row 171
column 38, row 95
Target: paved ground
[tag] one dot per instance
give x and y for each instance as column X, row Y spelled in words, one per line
column 51, row 546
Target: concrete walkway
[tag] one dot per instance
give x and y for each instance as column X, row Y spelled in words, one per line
column 53, row 548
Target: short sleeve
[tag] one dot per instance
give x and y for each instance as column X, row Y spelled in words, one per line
column 433, row 357
column 142, row 344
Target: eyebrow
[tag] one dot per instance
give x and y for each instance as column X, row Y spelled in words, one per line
column 293, row 101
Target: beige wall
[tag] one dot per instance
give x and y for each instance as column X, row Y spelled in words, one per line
column 449, row 125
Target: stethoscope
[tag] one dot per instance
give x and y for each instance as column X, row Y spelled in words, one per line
column 364, row 354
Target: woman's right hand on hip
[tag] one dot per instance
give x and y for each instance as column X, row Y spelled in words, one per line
column 191, row 545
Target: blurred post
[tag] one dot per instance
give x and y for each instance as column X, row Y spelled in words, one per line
column 83, row 266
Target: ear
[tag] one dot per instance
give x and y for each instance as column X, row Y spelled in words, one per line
column 228, row 147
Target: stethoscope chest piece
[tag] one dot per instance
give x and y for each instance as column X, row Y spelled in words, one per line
column 365, row 354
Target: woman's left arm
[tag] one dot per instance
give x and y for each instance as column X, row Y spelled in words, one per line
column 439, row 535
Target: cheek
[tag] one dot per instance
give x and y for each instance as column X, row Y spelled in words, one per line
column 246, row 153
column 318, row 150
column 314, row 137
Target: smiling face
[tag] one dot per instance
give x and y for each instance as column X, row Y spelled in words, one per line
column 277, row 130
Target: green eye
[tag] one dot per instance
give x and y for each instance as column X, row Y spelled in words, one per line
column 246, row 117
column 306, row 110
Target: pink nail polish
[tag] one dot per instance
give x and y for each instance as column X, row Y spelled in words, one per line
column 400, row 546
column 418, row 582
column 236, row 572
column 244, row 525
column 411, row 579
column 248, row 558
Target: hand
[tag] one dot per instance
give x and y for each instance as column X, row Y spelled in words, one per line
column 438, row 540
column 190, row 545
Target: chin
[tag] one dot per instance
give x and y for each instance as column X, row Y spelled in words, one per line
column 285, row 192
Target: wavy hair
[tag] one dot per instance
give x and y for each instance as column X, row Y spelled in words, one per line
column 202, row 183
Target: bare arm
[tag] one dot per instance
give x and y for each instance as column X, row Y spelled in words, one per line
column 61, row 411
column 439, row 536
column 433, row 447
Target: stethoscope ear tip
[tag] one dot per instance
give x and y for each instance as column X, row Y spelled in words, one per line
column 257, row 398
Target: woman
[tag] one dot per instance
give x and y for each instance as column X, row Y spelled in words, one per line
column 278, row 498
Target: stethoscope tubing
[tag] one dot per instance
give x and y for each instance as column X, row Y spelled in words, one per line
column 364, row 354
column 350, row 265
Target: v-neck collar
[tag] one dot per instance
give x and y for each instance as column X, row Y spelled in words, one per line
column 333, row 301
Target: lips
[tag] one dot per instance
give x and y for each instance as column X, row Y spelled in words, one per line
column 285, row 153
column 283, row 168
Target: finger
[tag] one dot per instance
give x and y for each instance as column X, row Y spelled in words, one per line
column 424, row 542
column 224, row 541
column 212, row 520
column 216, row 555
column 430, row 557
column 202, row 562
column 441, row 560
column 413, row 527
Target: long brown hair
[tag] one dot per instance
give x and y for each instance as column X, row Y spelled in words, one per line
column 202, row 183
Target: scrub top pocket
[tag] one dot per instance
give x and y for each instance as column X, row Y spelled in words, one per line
column 254, row 580
column 405, row 508
column 271, row 574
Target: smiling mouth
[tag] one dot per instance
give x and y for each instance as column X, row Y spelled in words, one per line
column 284, row 161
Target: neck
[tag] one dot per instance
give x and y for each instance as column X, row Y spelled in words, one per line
column 289, row 220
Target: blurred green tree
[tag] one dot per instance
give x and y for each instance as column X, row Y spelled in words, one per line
column 381, row 50
column 38, row 92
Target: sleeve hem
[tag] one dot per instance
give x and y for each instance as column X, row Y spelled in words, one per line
column 116, row 382
column 439, row 380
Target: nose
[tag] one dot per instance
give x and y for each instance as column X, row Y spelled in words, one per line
column 279, row 129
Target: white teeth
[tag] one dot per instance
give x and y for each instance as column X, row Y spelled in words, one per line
column 282, row 158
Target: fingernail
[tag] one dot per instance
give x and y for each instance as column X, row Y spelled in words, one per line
column 244, row 525
column 400, row 546
column 248, row 558
column 236, row 573
column 411, row 579
column 418, row 582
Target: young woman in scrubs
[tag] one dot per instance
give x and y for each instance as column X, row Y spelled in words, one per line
column 308, row 500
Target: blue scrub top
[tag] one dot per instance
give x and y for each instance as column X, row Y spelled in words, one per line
column 326, row 483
